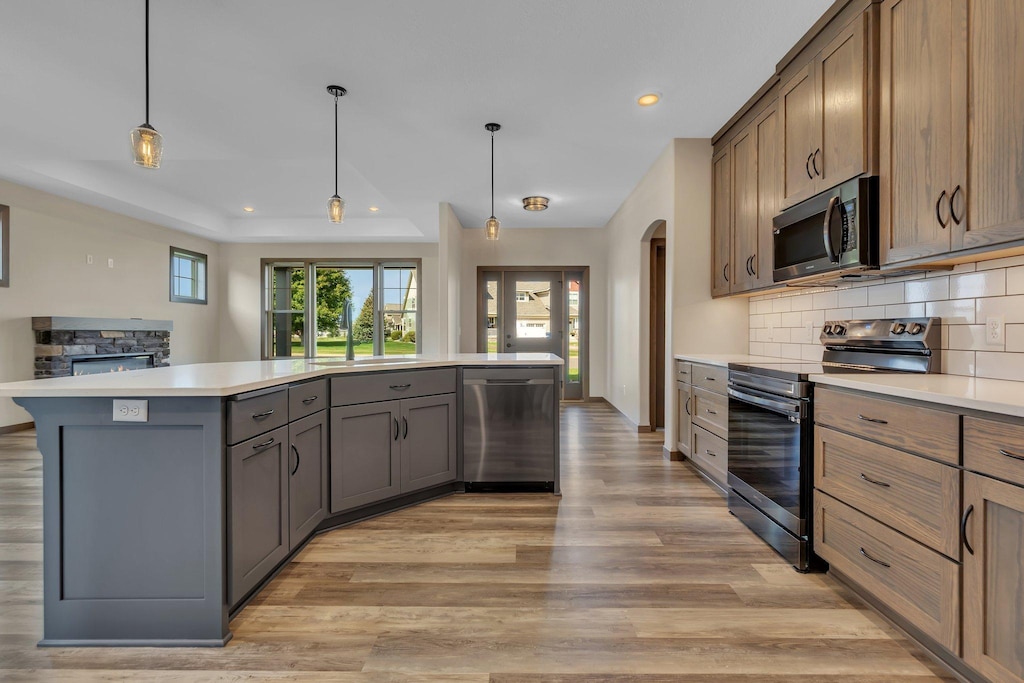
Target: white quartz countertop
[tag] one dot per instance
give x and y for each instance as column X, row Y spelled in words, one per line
column 989, row 395
column 225, row 379
column 723, row 359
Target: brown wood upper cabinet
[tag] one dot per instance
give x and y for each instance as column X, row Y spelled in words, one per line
column 952, row 99
column 825, row 115
column 721, row 222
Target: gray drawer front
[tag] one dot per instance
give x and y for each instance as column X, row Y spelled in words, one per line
column 306, row 398
column 386, row 386
column 256, row 414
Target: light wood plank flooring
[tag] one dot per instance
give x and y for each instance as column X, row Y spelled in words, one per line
column 638, row 573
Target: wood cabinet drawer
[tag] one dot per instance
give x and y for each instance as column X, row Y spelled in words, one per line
column 919, row 584
column 932, row 433
column 255, row 413
column 711, row 411
column 994, row 448
column 710, row 377
column 711, row 454
column 306, row 398
column 917, row 496
column 386, row 386
column 683, row 371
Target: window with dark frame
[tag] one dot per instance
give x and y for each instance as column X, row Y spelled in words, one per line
column 188, row 276
column 5, row 246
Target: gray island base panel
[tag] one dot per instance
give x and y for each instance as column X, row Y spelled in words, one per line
column 133, row 523
column 155, row 533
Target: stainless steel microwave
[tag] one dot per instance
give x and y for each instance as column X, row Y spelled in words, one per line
column 829, row 236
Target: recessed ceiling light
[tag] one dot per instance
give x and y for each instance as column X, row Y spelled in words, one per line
column 375, row 209
column 248, row 209
column 535, row 203
column 649, row 99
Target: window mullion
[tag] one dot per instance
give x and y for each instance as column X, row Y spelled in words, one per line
column 309, row 329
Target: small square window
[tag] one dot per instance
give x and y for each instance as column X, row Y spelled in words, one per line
column 188, row 276
column 5, row 246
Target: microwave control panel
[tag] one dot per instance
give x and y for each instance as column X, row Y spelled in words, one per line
column 849, row 215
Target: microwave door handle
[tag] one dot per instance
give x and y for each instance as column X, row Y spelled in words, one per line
column 826, row 230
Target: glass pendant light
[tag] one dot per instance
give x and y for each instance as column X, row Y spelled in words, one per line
column 336, row 205
column 147, row 144
column 492, row 225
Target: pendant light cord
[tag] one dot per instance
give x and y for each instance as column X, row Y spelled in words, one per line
column 492, row 171
column 147, row 61
column 335, row 145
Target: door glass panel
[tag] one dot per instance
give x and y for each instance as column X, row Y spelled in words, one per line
column 572, row 362
column 533, row 309
column 336, row 286
column 492, row 311
column 400, row 310
column 286, row 301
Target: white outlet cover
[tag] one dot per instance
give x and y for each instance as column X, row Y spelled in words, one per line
column 131, row 410
column 994, row 329
column 88, row 259
column 110, row 263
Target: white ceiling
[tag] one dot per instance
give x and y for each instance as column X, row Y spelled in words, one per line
column 238, row 92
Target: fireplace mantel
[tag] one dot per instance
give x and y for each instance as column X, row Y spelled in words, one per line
column 91, row 324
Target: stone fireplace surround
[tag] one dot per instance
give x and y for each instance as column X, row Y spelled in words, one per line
column 60, row 339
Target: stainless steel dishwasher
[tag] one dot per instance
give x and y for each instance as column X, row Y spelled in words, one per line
column 510, row 434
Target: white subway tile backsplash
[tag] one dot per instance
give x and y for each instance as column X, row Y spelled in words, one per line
column 791, row 319
column 757, row 320
column 930, row 289
column 772, row 349
column 1010, row 307
column 839, row 314
column 958, row 312
column 973, row 285
column 1015, row 280
column 916, row 310
column 762, row 307
column 958, row 362
column 969, row 338
column 791, row 351
column 815, row 318
column 780, row 334
column 812, row 353
column 772, row 320
column 826, row 300
column 848, row 298
column 882, row 295
column 1008, row 262
column 868, row 312
column 1015, row 338
column 756, row 349
column 803, row 302
column 783, row 305
column 1000, row 366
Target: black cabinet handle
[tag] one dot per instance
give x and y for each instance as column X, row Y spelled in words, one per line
column 938, row 209
column 872, row 419
column 875, row 560
column 1008, row 454
column 396, row 429
column 400, row 386
column 952, row 211
column 873, row 481
column 405, row 428
column 725, row 272
column 963, row 528
column 807, row 165
column 753, row 265
column 258, row 446
column 687, row 407
column 708, row 451
column 296, row 452
column 710, row 412
column 814, row 162
column 710, row 379
column 309, row 400
column 259, row 416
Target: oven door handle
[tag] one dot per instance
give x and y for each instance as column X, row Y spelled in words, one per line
column 786, row 408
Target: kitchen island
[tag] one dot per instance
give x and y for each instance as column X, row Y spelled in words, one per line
column 171, row 496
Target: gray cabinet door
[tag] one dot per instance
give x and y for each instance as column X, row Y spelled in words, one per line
column 365, row 454
column 428, row 441
column 258, row 513
column 307, row 478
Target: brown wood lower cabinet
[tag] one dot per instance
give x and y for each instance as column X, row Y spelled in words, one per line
column 994, row 578
column 918, row 583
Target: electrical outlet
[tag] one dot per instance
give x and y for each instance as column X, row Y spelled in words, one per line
column 110, row 263
column 994, row 329
column 131, row 410
column 88, row 259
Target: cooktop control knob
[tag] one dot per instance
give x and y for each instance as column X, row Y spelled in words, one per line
column 916, row 328
column 827, row 329
column 898, row 328
column 839, row 328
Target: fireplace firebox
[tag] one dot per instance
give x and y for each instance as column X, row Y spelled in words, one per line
column 111, row 362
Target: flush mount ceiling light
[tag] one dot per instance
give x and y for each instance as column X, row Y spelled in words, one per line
column 649, row 99
column 375, row 209
column 492, row 225
column 535, row 203
column 336, row 205
column 147, row 144
column 248, row 209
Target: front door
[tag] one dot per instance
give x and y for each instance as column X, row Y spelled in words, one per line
column 533, row 320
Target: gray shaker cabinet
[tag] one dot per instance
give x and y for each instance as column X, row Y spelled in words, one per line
column 428, row 441
column 258, row 510
column 365, row 454
column 307, row 476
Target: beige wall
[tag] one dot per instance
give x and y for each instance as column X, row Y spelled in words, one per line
column 449, row 256
column 541, row 247
column 50, row 238
column 241, row 280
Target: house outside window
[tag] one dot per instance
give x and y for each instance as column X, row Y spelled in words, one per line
column 188, row 276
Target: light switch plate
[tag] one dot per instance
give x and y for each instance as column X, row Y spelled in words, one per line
column 131, row 410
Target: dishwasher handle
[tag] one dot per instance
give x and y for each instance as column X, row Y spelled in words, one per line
column 506, row 382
